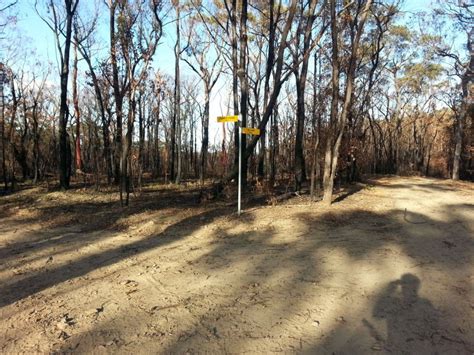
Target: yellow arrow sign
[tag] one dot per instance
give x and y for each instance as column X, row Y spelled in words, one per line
column 233, row 118
column 253, row 131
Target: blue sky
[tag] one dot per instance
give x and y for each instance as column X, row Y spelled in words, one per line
column 41, row 38
column 36, row 34
column 417, row 5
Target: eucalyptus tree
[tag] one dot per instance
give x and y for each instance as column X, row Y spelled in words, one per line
column 60, row 20
column 277, row 72
column 37, row 105
column 355, row 15
column 3, row 152
column 176, row 123
column 87, row 43
column 303, row 44
column 84, row 34
column 460, row 14
column 77, row 113
column 135, row 28
column 5, row 21
column 139, row 32
column 373, row 60
column 204, row 60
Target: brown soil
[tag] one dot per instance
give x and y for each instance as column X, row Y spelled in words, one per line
column 388, row 268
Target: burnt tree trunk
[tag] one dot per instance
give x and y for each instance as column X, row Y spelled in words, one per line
column 77, row 113
column 64, row 149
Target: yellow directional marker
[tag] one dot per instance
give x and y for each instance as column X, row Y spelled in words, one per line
column 253, row 131
column 233, row 118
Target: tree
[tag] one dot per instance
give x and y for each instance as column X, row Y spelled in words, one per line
column 356, row 16
column 340, row 86
column 139, row 31
column 176, row 127
column 304, row 33
column 208, row 66
column 77, row 113
column 462, row 14
column 84, row 40
column 3, row 81
column 279, row 77
column 61, row 22
column 4, row 8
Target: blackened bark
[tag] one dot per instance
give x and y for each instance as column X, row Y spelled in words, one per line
column 64, row 148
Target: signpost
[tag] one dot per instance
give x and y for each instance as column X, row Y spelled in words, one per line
column 233, row 118
column 242, row 130
column 252, row 131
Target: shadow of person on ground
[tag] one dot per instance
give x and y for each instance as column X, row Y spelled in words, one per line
column 412, row 321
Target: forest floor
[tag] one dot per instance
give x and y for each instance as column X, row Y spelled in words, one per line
column 388, row 268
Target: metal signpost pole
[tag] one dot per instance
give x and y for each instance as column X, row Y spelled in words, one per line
column 239, row 193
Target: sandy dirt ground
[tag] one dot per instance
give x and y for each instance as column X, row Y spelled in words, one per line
column 386, row 269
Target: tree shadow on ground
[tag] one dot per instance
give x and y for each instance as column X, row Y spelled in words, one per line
column 439, row 244
column 276, row 284
column 272, row 282
column 70, row 225
column 424, row 184
column 350, row 190
column 14, row 290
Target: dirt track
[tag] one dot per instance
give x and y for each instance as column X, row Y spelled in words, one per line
column 387, row 269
